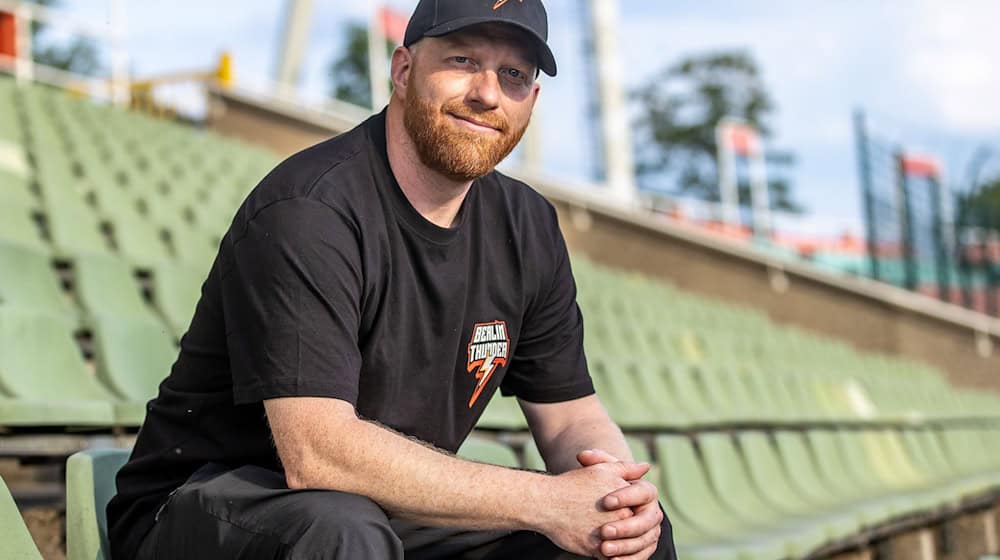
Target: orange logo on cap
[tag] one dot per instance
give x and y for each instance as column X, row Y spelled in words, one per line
column 502, row 2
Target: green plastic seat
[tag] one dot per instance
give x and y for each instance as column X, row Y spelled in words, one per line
column 133, row 355
column 836, row 484
column 42, row 368
column 502, row 413
column 478, row 448
column 703, row 526
column 139, row 240
column 90, row 485
column 192, row 245
column 737, row 491
column 28, row 280
column 17, row 226
column 176, row 290
column 74, row 226
column 768, row 475
column 619, row 392
column 640, row 452
column 16, row 541
column 107, row 285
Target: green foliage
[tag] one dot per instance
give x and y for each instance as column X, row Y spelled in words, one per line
column 348, row 74
column 78, row 56
column 982, row 208
column 679, row 110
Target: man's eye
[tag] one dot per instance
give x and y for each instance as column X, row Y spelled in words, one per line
column 461, row 59
column 516, row 76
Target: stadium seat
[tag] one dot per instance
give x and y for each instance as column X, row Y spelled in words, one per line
column 738, row 494
column 769, row 478
column 28, row 280
column 17, row 226
column 15, row 539
column 478, row 448
column 502, row 413
column 138, row 240
column 107, row 285
column 74, row 226
column 43, row 377
column 133, row 355
column 176, row 290
column 703, row 527
column 90, row 484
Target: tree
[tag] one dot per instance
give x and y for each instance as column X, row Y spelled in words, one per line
column 348, row 74
column 678, row 112
column 982, row 207
column 78, row 56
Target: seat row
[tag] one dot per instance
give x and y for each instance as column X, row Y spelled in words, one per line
column 748, row 495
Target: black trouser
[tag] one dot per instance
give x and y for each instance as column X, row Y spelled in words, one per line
column 249, row 512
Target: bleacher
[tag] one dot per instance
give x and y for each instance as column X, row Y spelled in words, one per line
column 768, row 441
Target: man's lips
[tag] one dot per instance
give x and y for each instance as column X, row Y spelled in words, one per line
column 473, row 123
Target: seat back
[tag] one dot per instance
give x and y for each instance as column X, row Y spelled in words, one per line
column 14, row 536
column 480, row 449
column 133, row 355
column 28, row 280
column 90, row 484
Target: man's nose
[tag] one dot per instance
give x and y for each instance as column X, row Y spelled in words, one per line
column 485, row 89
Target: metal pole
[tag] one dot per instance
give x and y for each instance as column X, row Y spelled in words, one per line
column 377, row 55
column 942, row 261
column 867, row 191
column 614, row 114
column 760, row 197
column 911, row 278
column 729, row 193
column 24, row 65
column 120, row 87
column 298, row 16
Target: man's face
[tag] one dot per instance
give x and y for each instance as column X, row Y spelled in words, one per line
column 469, row 99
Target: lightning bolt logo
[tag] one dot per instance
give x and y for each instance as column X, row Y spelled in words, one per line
column 487, row 351
column 502, row 2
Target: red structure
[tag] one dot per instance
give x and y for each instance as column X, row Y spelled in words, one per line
column 8, row 34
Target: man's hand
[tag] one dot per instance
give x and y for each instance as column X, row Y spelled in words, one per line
column 629, row 537
column 574, row 512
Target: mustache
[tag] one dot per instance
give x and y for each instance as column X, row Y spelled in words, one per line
column 491, row 119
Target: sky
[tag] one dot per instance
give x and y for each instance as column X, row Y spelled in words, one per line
column 924, row 71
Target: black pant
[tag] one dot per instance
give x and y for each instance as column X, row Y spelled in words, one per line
column 249, row 512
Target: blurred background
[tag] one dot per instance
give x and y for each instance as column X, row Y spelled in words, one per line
column 784, row 218
column 838, row 97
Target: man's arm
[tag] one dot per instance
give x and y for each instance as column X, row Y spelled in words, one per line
column 564, row 429
column 580, row 433
column 323, row 444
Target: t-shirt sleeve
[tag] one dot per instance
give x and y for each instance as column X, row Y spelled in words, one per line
column 548, row 363
column 291, row 300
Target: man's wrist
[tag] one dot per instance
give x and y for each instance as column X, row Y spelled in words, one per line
column 532, row 507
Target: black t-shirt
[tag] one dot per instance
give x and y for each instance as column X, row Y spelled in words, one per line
column 330, row 284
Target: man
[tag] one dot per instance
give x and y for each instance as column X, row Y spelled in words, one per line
column 371, row 295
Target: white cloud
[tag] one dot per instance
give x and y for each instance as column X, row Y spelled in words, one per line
column 951, row 54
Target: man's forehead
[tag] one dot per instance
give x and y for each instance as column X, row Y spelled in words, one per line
column 493, row 33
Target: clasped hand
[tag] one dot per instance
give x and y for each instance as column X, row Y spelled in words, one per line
column 636, row 536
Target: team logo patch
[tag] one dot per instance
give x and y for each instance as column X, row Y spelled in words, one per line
column 488, row 349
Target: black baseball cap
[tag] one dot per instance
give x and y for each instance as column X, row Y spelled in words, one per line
column 434, row 18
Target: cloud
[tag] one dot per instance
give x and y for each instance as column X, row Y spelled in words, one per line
column 951, row 52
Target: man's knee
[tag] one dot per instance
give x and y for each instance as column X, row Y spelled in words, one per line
column 353, row 526
column 250, row 508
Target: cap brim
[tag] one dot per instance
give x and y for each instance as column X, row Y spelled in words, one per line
column 546, row 61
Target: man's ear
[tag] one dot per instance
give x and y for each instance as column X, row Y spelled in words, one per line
column 402, row 63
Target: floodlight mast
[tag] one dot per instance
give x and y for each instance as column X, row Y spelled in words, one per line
column 298, row 15
column 615, row 130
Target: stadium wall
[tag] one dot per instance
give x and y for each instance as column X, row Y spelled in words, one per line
column 872, row 316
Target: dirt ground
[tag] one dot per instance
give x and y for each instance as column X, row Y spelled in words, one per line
column 48, row 528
